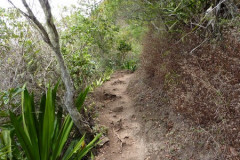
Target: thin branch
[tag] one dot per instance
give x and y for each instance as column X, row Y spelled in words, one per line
column 25, row 14
column 121, row 147
column 51, row 26
column 199, row 25
column 156, row 27
column 38, row 24
column 33, row 18
column 198, row 46
column 216, row 7
column 20, row 60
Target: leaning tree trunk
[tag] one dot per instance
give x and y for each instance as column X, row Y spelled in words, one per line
column 51, row 37
column 66, row 78
column 69, row 95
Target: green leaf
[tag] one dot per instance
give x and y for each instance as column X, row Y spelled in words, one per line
column 86, row 149
column 40, row 120
column 54, row 91
column 3, row 152
column 81, row 98
column 17, row 91
column 77, row 146
column 92, row 156
column 6, row 141
column 30, row 121
column 62, row 137
column 48, row 125
column 69, row 150
column 22, row 137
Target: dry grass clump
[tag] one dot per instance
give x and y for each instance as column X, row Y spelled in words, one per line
column 203, row 86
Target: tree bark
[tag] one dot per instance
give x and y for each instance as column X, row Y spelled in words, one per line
column 69, row 95
column 51, row 37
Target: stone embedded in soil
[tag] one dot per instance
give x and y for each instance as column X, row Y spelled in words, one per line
column 109, row 96
column 133, row 117
column 118, row 125
column 124, row 144
column 118, row 109
column 118, row 82
column 104, row 140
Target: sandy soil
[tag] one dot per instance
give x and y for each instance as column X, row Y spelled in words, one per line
column 124, row 141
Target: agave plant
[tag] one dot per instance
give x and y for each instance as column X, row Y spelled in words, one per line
column 41, row 134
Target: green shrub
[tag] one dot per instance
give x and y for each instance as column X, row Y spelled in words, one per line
column 130, row 65
column 8, row 100
column 124, row 46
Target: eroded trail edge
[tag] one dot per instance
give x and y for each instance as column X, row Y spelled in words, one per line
column 117, row 114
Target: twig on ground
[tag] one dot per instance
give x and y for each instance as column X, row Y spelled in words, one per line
column 211, row 136
column 198, row 46
column 119, row 140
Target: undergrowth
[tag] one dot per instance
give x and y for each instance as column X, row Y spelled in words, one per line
column 203, row 85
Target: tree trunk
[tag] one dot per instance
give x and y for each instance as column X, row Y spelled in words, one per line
column 69, row 95
column 51, row 37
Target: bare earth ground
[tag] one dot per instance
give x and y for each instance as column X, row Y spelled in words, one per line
column 118, row 115
column 140, row 128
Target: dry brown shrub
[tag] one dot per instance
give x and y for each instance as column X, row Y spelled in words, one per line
column 203, row 86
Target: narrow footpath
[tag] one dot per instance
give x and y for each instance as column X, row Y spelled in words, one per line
column 124, row 141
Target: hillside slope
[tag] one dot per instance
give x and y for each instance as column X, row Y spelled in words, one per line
column 202, row 87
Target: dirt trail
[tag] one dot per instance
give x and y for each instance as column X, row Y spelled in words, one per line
column 141, row 127
column 124, row 141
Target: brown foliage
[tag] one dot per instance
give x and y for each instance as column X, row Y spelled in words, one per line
column 203, row 86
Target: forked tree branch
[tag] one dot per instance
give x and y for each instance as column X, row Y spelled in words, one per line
column 50, row 24
column 51, row 37
column 33, row 19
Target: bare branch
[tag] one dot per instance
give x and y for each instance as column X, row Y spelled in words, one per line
column 198, row 46
column 33, row 18
column 37, row 23
column 50, row 24
column 25, row 14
